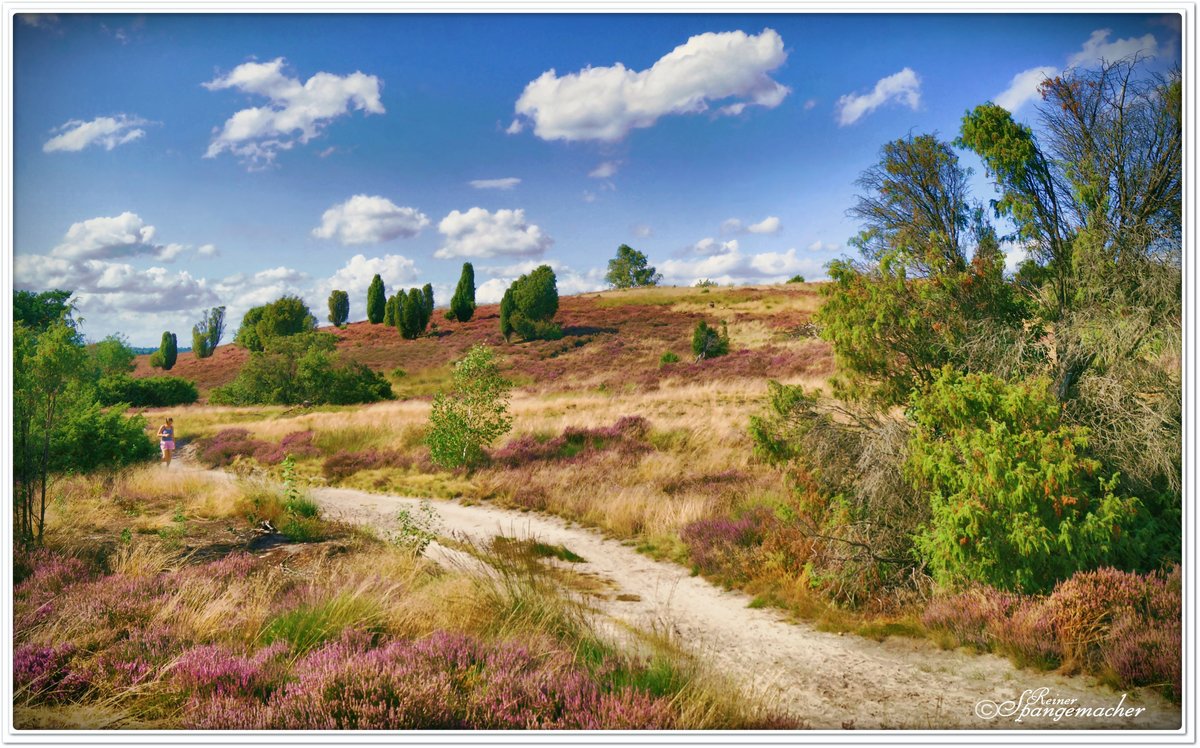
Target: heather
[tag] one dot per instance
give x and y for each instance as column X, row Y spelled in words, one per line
column 1123, row 627
column 343, row 631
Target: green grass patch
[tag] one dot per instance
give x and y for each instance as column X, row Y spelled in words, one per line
column 309, row 626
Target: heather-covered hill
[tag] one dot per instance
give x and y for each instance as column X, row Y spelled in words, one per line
column 612, row 340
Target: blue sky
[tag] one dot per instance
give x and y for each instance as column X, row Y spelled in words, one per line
column 168, row 163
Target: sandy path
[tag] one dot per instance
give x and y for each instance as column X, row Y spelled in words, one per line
column 828, row 679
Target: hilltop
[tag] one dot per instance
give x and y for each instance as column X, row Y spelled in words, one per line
column 612, row 340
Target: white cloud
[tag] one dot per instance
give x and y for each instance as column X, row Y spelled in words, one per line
column 126, row 235
column 738, row 268
column 1099, row 49
column 1024, row 87
column 506, row 183
column 708, row 247
column 642, row 230
column 809, row 104
column 208, row 250
column 108, row 132
column 295, row 113
column 516, row 127
column 355, row 277
column 38, row 20
column 480, row 233
column 369, row 219
column 606, row 103
column 604, row 170
column 589, row 196
column 769, row 225
column 903, row 87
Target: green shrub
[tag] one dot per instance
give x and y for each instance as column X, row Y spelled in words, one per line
column 339, row 307
column 376, row 300
column 286, row 316
column 472, row 415
column 530, row 304
column 670, row 357
column 146, row 392
column 168, row 350
column 462, row 303
column 303, row 368
column 706, row 283
column 1016, row 500
column 707, row 342
column 796, row 279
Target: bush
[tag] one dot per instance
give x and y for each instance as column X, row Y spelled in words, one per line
column 462, row 303
column 376, row 300
column 92, row 437
column 530, row 304
column 146, row 392
column 706, row 283
column 168, row 351
column 670, row 357
column 472, row 415
column 303, row 368
column 627, row 435
column 343, row 464
column 339, row 307
column 796, row 279
column 286, row 316
column 708, row 343
column 1016, row 500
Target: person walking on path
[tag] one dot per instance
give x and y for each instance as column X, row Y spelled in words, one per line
column 166, row 438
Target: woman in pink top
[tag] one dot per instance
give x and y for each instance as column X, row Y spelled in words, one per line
column 166, row 438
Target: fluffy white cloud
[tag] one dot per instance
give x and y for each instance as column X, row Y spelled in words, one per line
column 126, row 235
column 355, row 277
column 369, row 219
column 642, row 230
column 1024, row 87
column 735, row 267
column 820, row 246
column 903, row 87
column 606, row 103
column 768, row 225
column 604, row 170
column 295, row 113
column 108, row 132
column 506, row 183
column 1099, row 49
column 708, row 247
column 480, row 233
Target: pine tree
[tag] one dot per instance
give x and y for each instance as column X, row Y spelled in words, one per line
column 462, row 304
column 376, row 300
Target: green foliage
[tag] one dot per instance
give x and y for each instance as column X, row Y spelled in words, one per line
column 376, row 300
column 427, row 305
column 339, row 307
column 39, row 311
column 58, row 426
column 207, row 333
column 507, row 306
column 706, row 283
column 1017, row 501
column 529, row 306
column 287, row 315
column 670, row 357
column 796, row 279
column 462, row 303
column 111, row 356
column 473, row 414
column 302, row 368
column 168, row 350
column 145, row 392
column 200, row 342
column 410, row 313
column 156, row 359
column 390, row 318
column 247, row 334
column 415, row 530
column 630, row 269
column 707, row 342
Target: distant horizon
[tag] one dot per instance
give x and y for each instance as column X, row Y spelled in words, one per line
column 167, row 163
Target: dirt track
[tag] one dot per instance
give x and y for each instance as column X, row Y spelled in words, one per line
column 827, row 679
